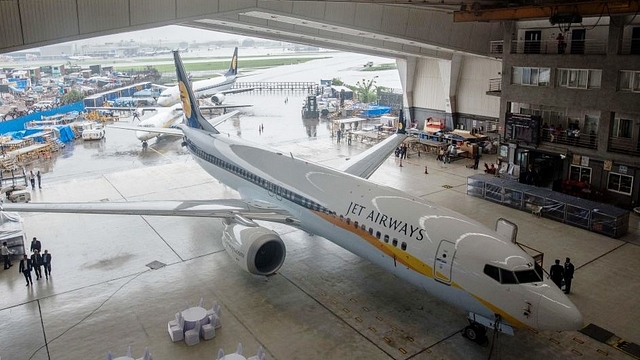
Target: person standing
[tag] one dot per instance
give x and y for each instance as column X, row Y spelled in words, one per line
column 4, row 250
column 557, row 273
column 36, row 263
column 32, row 180
column 46, row 263
column 25, row 269
column 35, row 245
column 476, row 158
column 568, row 275
column 561, row 43
column 39, row 177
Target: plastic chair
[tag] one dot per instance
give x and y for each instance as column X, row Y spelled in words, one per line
column 176, row 328
column 208, row 331
column 192, row 337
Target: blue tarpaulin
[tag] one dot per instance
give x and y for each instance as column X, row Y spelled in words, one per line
column 375, row 110
column 65, row 133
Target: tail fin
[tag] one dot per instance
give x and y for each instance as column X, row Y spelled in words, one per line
column 233, row 69
column 401, row 123
column 190, row 108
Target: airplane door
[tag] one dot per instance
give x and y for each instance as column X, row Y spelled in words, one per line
column 444, row 262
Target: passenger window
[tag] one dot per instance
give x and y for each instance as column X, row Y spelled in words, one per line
column 355, row 224
column 493, row 272
column 363, row 228
column 370, row 231
column 378, row 234
column 386, row 238
column 395, row 242
column 348, row 221
column 507, row 277
column 403, row 246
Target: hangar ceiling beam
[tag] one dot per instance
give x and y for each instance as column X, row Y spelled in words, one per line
column 586, row 9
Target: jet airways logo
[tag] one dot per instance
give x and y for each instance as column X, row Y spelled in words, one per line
column 184, row 97
column 388, row 222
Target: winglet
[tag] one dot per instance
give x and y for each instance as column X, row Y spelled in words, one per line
column 233, row 69
column 193, row 116
column 401, row 124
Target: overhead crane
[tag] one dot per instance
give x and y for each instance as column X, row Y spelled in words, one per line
column 555, row 12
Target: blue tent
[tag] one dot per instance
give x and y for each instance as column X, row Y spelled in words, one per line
column 375, row 111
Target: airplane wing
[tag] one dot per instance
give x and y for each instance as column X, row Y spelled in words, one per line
column 172, row 131
column 366, row 163
column 230, row 106
column 236, row 91
column 126, row 108
column 239, row 210
column 155, row 130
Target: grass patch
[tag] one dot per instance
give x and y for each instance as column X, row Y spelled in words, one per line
column 223, row 64
column 381, row 67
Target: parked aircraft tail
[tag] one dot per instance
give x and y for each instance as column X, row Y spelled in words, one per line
column 402, row 125
column 193, row 116
column 233, row 69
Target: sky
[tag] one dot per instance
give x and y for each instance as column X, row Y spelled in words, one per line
column 171, row 33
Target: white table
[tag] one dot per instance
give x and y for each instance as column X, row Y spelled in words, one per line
column 193, row 314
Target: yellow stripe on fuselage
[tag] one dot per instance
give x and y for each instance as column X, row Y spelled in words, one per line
column 412, row 262
column 398, row 255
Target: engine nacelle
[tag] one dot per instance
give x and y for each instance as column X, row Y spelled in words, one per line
column 257, row 250
column 217, row 99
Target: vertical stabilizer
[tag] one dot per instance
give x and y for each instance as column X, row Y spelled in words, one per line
column 233, row 69
column 401, row 123
column 192, row 115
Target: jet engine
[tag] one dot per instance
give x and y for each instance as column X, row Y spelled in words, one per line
column 217, row 99
column 255, row 249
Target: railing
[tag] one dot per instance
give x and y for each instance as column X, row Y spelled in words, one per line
column 496, row 47
column 588, row 46
column 624, row 145
column 495, row 85
column 630, row 47
column 571, row 138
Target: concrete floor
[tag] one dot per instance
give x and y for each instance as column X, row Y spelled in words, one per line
column 325, row 303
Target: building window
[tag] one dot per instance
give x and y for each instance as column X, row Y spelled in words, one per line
column 629, row 81
column 530, row 76
column 620, row 183
column 580, row 173
column 579, row 78
column 622, row 128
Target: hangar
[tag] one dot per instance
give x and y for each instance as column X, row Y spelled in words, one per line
column 449, row 70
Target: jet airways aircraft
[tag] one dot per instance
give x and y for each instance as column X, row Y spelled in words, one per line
column 216, row 88
column 165, row 118
column 446, row 254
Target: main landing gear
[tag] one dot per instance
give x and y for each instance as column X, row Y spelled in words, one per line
column 476, row 333
column 144, row 145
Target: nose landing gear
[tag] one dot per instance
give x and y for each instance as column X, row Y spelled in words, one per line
column 476, row 333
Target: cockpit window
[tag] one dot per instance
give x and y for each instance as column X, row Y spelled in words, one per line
column 493, row 272
column 527, row 276
column 504, row 276
column 507, row 277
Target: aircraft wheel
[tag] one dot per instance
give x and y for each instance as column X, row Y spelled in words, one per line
column 144, row 145
column 475, row 333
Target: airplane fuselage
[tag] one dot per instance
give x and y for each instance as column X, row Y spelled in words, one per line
column 201, row 88
column 164, row 118
column 435, row 249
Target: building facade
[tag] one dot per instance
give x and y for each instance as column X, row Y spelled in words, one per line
column 579, row 85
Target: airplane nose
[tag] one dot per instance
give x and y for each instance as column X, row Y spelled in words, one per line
column 557, row 312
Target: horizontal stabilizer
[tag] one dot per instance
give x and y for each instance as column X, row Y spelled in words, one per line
column 366, row 163
column 155, row 130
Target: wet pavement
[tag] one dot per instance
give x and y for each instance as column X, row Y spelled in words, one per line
column 324, row 303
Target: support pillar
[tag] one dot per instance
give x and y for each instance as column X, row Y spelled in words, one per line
column 450, row 74
column 407, row 71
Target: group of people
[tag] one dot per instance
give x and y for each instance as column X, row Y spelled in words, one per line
column 36, row 263
column 559, row 273
column 445, row 155
column 32, row 179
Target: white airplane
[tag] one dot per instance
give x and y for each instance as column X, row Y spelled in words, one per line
column 165, row 118
column 448, row 255
column 79, row 57
column 217, row 88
